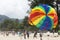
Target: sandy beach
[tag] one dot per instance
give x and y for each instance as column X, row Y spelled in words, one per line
column 17, row 37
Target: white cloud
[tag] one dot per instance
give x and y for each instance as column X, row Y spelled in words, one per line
column 14, row 8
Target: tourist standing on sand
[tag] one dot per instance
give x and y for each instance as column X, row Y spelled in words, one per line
column 27, row 34
column 40, row 36
column 24, row 34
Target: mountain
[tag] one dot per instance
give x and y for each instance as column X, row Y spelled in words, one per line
column 3, row 17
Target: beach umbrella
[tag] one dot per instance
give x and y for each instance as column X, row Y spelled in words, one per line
column 43, row 17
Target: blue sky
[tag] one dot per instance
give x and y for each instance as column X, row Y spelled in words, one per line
column 14, row 8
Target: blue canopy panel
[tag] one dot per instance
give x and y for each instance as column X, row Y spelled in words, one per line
column 47, row 24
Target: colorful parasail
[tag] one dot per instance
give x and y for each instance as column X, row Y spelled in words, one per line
column 43, row 17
